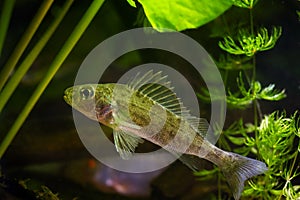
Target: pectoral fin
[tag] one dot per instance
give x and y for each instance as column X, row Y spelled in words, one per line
column 125, row 143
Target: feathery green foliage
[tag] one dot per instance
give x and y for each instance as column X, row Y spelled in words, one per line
column 245, row 97
column 273, row 139
column 276, row 142
column 249, row 44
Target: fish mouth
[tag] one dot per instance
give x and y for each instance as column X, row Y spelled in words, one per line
column 67, row 96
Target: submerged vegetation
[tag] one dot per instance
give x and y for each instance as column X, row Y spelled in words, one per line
column 248, row 44
column 273, row 137
column 277, row 142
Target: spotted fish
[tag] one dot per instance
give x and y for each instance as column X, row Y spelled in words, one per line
column 147, row 109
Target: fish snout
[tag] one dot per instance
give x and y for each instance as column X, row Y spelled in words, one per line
column 68, row 95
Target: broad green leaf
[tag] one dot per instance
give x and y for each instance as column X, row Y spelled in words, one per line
column 179, row 15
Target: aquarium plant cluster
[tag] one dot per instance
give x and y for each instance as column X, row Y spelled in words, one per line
column 273, row 137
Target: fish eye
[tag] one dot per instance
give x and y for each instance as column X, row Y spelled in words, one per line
column 86, row 93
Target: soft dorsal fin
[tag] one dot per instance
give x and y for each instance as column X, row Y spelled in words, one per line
column 199, row 124
column 156, row 87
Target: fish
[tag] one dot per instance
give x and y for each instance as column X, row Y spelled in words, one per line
column 147, row 108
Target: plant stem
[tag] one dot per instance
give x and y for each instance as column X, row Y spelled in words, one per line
column 57, row 62
column 253, row 74
column 4, row 20
column 227, row 29
column 23, row 43
column 25, row 65
column 251, row 20
column 252, row 33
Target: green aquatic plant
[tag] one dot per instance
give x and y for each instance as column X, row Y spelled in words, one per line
column 46, row 194
column 265, row 138
column 179, row 15
column 19, row 73
column 24, row 41
column 248, row 44
column 274, row 138
column 277, row 142
column 4, row 21
column 54, row 66
column 40, row 192
column 245, row 97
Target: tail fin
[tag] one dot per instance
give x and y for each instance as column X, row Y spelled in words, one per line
column 238, row 170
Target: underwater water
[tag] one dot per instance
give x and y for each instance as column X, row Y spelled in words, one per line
column 47, row 159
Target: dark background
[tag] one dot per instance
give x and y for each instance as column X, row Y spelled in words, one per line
column 47, row 150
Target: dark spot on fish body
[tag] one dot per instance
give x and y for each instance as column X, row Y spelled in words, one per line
column 169, row 131
column 195, row 146
column 216, row 155
column 139, row 118
column 139, row 109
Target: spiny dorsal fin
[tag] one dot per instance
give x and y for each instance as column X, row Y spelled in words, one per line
column 156, row 87
column 138, row 81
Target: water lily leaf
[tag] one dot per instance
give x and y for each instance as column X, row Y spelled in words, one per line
column 179, row 15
